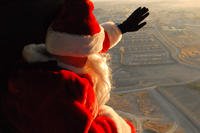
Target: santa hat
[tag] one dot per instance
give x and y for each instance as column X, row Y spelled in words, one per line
column 75, row 31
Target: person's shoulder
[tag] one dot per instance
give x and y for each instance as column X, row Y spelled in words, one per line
column 73, row 76
column 81, row 85
column 49, row 77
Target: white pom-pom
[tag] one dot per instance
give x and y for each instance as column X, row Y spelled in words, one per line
column 36, row 53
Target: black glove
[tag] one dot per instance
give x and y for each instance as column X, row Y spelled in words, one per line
column 133, row 22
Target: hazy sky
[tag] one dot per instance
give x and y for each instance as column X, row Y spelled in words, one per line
column 182, row 3
column 191, row 1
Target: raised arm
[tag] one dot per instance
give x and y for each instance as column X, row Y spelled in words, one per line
column 113, row 31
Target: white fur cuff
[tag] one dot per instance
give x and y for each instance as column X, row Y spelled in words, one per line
column 114, row 33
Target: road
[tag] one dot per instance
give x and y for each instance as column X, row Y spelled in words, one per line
column 124, row 91
column 169, row 109
column 174, row 113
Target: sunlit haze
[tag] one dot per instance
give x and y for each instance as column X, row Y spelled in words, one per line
column 170, row 2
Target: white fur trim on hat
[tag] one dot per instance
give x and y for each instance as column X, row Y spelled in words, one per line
column 65, row 44
column 114, row 33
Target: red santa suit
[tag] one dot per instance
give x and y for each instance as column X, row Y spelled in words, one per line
column 43, row 100
column 43, row 97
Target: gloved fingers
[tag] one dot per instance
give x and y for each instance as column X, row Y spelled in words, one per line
column 140, row 11
column 141, row 25
column 136, row 11
column 140, row 19
column 144, row 10
column 133, row 22
column 136, row 15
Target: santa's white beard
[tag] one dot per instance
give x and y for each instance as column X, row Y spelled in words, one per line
column 97, row 67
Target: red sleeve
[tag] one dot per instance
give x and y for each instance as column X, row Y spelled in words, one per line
column 103, row 124
column 106, row 43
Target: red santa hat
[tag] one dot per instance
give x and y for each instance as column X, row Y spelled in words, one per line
column 75, row 31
